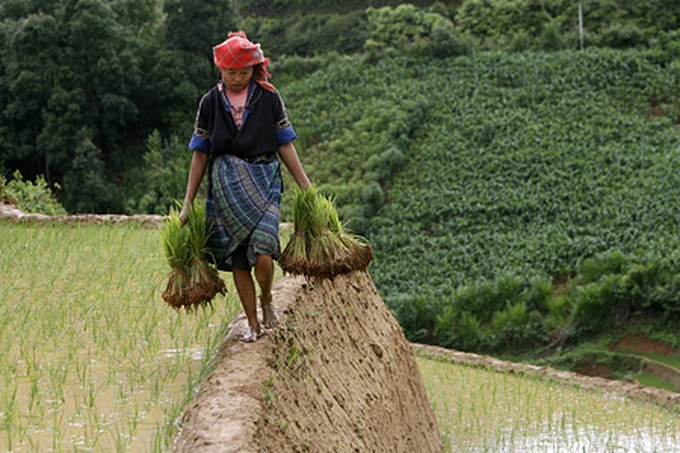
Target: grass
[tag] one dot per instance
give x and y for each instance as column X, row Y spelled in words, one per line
column 91, row 358
column 650, row 380
column 485, row 411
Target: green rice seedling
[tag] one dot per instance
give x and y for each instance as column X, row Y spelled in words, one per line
column 308, row 216
column 174, row 239
column 479, row 409
column 334, row 223
column 84, row 344
column 351, row 253
column 293, row 255
column 320, row 247
column 192, row 280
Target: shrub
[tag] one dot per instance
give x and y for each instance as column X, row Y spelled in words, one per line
column 513, row 316
column 622, row 36
column 667, row 297
column 538, row 292
column 354, row 216
column 470, row 333
column 446, row 41
column 383, row 166
column 446, row 328
column 31, row 197
column 559, row 308
column 550, row 38
column 372, row 197
column 516, row 329
column 639, row 282
column 592, row 269
column 408, row 28
column 461, row 331
column 484, row 299
column 416, row 315
column 594, row 306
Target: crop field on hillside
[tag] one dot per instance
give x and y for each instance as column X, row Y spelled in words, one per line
column 548, row 160
column 517, row 164
column 483, row 180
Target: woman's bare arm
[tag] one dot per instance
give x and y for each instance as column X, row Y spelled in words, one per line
column 290, row 158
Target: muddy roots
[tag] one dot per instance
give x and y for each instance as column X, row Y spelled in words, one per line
column 325, row 256
column 197, row 288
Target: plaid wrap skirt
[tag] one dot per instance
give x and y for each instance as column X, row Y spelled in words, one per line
column 243, row 208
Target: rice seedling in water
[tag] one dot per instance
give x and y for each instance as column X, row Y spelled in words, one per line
column 319, row 246
column 90, row 357
column 479, row 411
column 192, row 280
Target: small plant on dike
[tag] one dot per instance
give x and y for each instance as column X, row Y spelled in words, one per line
column 192, row 280
column 320, row 246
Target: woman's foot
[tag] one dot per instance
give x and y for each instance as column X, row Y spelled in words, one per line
column 269, row 317
column 252, row 335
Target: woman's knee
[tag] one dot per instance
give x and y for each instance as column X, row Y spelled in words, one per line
column 264, row 261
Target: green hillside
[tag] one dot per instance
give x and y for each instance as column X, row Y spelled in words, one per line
column 485, row 181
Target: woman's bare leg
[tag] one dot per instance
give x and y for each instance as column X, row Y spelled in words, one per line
column 264, row 273
column 246, row 292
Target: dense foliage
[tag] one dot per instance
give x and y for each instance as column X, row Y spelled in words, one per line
column 484, row 182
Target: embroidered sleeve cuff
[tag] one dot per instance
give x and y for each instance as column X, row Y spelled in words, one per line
column 199, row 144
column 285, row 136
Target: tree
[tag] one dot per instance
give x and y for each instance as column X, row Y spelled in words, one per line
column 143, row 17
column 86, row 188
column 71, row 75
column 31, row 68
column 195, row 26
column 407, row 27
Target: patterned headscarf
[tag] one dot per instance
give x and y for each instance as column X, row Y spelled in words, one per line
column 238, row 52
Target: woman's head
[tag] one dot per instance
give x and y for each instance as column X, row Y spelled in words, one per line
column 238, row 58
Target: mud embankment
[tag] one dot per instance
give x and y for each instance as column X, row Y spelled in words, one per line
column 337, row 375
column 14, row 214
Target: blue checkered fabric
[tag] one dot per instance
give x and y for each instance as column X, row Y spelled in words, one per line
column 243, row 207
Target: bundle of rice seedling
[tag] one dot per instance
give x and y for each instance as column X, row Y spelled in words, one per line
column 320, row 246
column 192, row 280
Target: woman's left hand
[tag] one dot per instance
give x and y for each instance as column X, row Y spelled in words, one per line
column 290, row 158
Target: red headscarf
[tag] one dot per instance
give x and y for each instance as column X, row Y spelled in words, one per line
column 238, row 52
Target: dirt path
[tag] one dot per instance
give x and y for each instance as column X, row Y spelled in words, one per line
column 338, row 375
column 13, row 213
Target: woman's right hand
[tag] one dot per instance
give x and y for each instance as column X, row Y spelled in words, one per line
column 199, row 162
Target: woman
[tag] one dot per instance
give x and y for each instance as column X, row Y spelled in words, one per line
column 241, row 127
